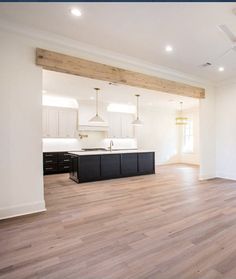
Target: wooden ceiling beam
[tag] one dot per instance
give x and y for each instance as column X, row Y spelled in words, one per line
column 58, row 62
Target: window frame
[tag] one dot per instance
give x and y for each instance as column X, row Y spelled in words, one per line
column 188, row 136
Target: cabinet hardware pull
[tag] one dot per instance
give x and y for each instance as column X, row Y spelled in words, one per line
column 49, row 168
column 49, row 161
column 66, row 160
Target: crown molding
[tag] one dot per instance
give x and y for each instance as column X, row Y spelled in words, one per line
column 100, row 53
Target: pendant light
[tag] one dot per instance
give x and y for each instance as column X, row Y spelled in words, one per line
column 137, row 121
column 97, row 118
column 180, row 120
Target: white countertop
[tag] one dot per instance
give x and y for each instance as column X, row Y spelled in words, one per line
column 84, row 153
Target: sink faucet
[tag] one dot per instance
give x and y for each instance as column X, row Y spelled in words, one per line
column 111, row 144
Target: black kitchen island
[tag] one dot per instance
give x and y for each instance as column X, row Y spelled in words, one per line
column 100, row 165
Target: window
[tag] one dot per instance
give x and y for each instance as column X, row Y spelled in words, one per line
column 188, row 137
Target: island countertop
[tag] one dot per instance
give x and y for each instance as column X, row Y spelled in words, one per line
column 107, row 152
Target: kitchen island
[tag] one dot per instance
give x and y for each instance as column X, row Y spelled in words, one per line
column 99, row 165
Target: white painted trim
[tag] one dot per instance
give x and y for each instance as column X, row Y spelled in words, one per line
column 23, row 209
column 206, row 177
column 100, row 53
column 230, row 176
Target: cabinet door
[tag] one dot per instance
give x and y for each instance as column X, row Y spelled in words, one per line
column 67, row 123
column 44, row 122
column 114, row 122
column 110, row 166
column 89, row 168
column 74, row 168
column 127, row 129
column 146, row 162
column 129, row 164
column 52, row 122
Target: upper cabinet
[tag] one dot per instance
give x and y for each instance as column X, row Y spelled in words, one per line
column 63, row 123
column 120, row 125
column 67, row 120
column 59, row 122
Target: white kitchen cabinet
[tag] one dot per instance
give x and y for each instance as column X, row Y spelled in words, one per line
column 120, row 125
column 67, row 123
column 59, row 122
column 50, row 122
column 114, row 123
column 45, row 124
column 127, row 128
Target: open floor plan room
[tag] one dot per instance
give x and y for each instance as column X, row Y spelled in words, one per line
column 166, row 226
column 118, row 140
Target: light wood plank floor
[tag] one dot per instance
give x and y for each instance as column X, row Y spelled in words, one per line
column 163, row 226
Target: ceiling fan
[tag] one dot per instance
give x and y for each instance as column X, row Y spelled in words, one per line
column 231, row 36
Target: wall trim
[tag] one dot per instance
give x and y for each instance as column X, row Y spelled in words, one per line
column 23, row 209
column 206, row 177
column 229, row 176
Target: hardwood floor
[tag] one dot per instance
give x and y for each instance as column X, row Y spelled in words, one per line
column 163, row 226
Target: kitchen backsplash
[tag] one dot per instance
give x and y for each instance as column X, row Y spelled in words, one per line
column 94, row 139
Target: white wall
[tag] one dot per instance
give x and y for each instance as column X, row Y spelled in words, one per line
column 226, row 130
column 159, row 133
column 21, row 189
column 207, row 135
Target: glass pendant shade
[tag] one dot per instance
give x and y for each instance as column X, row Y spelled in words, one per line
column 180, row 120
column 137, row 121
column 97, row 118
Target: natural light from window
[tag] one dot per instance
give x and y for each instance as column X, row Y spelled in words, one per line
column 188, row 137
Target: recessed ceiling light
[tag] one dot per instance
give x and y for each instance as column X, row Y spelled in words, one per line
column 221, row 69
column 169, row 48
column 75, row 12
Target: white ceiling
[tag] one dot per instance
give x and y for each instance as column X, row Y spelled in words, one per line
column 80, row 88
column 142, row 30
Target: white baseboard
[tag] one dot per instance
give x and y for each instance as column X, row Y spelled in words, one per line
column 23, row 209
column 230, row 176
column 206, row 177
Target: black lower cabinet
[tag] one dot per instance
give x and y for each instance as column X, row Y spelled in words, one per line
column 129, row 164
column 110, row 166
column 74, row 168
column 87, row 168
column 56, row 162
column 50, row 168
column 146, row 162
